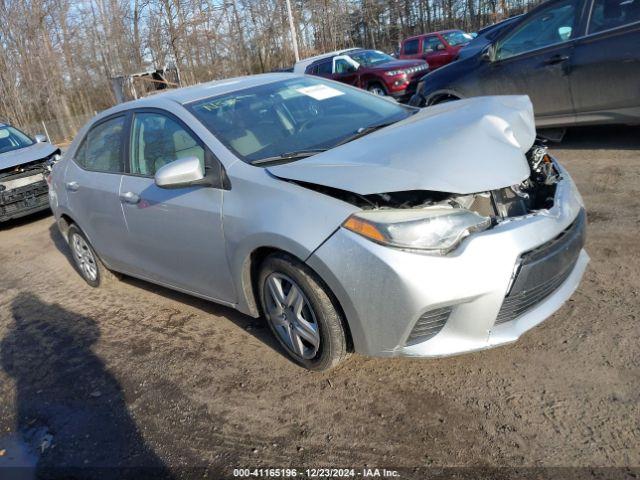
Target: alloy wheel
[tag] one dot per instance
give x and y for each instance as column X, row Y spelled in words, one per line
column 291, row 315
column 84, row 258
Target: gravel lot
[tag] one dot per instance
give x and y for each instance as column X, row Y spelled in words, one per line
column 136, row 374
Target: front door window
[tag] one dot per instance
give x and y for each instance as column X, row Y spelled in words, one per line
column 158, row 140
column 550, row 26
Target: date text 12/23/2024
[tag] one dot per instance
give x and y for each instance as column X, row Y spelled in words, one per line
column 324, row 473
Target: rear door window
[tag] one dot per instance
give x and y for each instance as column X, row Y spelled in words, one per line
column 101, row 150
column 411, row 47
column 608, row 14
column 325, row 68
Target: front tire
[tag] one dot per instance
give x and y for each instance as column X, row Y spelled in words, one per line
column 301, row 314
column 85, row 259
column 377, row 89
column 443, row 99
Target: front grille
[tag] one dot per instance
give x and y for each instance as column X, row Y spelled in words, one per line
column 29, row 197
column 516, row 305
column 543, row 270
column 429, row 325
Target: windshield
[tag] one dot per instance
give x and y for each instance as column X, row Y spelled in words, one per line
column 457, row 37
column 294, row 115
column 13, row 139
column 370, row 58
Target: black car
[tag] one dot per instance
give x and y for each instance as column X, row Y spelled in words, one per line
column 578, row 60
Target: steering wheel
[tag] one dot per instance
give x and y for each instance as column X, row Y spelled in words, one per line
column 306, row 124
column 315, row 111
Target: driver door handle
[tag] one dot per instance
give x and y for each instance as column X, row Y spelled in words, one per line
column 72, row 186
column 130, row 197
column 556, row 59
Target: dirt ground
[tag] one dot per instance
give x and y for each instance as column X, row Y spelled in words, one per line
column 135, row 374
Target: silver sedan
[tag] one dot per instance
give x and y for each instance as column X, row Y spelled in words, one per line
column 350, row 222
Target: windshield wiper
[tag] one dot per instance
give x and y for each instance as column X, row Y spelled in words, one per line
column 362, row 131
column 297, row 155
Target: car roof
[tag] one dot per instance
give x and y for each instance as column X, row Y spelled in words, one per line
column 433, row 33
column 193, row 93
column 301, row 65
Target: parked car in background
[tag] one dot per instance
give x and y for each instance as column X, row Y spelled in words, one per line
column 437, row 48
column 301, row 65
column 371, row 70
column 348, row 221
column 24, row 163
column 578, row 61
column 484, row 37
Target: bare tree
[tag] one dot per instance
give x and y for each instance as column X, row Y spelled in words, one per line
column 57, row 56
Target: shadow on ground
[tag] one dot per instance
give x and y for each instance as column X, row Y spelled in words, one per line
column 71, row 417
column 606, row 137
column 19, row 222
column 257, row 327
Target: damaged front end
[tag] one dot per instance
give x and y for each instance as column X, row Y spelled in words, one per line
column 437, row 222
column 533, row 194
column 24, row 188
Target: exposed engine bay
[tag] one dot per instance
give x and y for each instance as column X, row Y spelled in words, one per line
column 533, row 194
column 24, row 189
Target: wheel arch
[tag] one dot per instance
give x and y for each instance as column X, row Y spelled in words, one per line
column 437, row 97
column 376, row 81
column 250, row 289
column 64, row 222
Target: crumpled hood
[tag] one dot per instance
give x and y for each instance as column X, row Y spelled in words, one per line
column 28, row 154
column 466, row 146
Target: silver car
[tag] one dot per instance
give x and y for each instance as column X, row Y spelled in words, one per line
column 350, row 222
column 25, row 163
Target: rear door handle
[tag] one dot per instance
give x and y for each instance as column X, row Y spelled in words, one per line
column 72, row 186
column 130, row 197
column 556, row 59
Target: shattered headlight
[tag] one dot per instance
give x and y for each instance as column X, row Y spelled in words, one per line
column 434, row 229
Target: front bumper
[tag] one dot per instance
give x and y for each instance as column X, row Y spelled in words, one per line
column 384, row 291
column 409, row 91
column 24, row 200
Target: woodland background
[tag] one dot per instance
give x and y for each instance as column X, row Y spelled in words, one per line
column 57, row 56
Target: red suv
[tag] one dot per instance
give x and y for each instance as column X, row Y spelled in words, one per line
column 371, row 70
column 437, row 48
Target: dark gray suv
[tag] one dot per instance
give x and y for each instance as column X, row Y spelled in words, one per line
column 578, row 60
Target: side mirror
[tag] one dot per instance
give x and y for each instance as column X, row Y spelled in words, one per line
column 40, row 138
column 565, row 33
column 440, row 47
column 180, row 173
column 487, row 54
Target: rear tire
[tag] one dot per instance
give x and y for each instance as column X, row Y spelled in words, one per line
column 301, row 313
column 86, row 261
